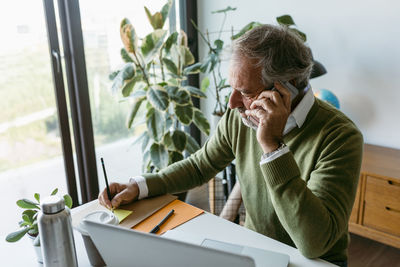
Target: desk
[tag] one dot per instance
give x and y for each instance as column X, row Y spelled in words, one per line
column 21, row 253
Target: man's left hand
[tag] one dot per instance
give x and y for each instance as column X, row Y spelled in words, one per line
column 271, row 109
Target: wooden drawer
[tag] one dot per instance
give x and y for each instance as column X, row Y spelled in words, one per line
column 382, row 218
column 382, row 204
column 383, row 191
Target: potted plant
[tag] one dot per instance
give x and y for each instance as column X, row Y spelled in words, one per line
column 153, row 77
column 29, row 225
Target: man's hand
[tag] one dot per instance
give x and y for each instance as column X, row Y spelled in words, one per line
column 120, row 193
column 271, row 109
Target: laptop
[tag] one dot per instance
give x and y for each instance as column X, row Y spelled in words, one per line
column 121, row 247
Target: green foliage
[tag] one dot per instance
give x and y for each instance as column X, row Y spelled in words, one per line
column 287, row 20
column 154, row 77
column 211, row 66
column 29, row 217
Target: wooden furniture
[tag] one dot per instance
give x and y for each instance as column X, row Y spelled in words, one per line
column 376, row 211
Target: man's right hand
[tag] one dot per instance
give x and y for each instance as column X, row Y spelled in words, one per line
column 120, row 193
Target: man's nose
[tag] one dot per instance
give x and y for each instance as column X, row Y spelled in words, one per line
column 235, row 100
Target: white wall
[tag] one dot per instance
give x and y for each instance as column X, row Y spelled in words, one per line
column 357, row 41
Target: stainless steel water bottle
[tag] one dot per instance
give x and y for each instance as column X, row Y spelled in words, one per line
column 56, row 234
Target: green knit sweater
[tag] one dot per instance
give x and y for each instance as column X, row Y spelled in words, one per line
column 303, row 198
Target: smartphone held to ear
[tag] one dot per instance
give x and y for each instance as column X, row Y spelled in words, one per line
column 293, row 90
column 293, row 93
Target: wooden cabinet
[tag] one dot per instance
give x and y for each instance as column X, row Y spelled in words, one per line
column 376, row 211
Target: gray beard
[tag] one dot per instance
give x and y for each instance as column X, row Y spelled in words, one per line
column 249, row 123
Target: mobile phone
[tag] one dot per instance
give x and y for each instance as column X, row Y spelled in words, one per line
column 293, row 90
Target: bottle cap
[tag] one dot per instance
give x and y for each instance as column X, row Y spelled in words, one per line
column 52, row 204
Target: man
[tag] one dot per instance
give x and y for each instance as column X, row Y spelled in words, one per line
column 297, row 160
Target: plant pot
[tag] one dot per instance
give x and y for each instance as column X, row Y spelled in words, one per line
column 38, row 250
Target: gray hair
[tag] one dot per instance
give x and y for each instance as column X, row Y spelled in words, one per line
column 279, row 52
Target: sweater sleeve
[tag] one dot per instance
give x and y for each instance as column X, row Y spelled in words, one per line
column 315, row 213
column 197, row 169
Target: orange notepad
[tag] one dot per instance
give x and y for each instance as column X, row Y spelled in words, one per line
column 183, row 212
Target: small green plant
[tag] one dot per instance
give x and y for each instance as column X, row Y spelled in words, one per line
column 29, row 218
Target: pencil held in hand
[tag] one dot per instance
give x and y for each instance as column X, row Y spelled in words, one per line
column 107, row 186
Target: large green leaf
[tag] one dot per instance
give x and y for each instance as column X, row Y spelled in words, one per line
column 172, row 90
column 152, row 43
column 192, row 69
column 126, row 73
column 201, row 121
column 128, row 36
column 15, row 236
column 196, row 92
column 285, row 20
column 159, row 155
column 184, row 113
column 175, row 156
column 180, row 140
column 170, row 41
column 27, row 204
column 155, row 20
column 246, row 28
column 192, row 145
column 165, row 10
column 128, row 87
column 182, row 97
column 171, row 67
column 125, row 56
column 134, row 110
column 167, row 141
column 155, row 124
column 158, row 97
column 186, row 55
column 139, row 93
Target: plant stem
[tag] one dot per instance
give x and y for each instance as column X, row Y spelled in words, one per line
column 143, row 70
column 203, row 37
column 222, row 26
column 162, row 66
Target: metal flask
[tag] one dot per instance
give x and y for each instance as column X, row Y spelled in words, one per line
column 56, row 234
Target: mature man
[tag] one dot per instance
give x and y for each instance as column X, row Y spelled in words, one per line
column 297, row 160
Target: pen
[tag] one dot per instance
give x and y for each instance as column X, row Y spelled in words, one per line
column 157, row 227
column 108, row 188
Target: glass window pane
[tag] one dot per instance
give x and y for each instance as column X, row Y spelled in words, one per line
column 30, row 145
column 100, row 25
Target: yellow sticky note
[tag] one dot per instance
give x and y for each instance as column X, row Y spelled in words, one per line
column 122, row 214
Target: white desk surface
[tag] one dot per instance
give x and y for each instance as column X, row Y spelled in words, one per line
column 22, row 253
